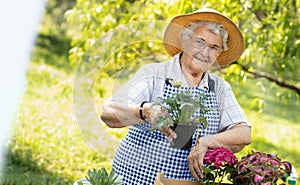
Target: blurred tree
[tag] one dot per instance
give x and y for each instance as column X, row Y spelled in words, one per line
column 53, row 43
column 272, row 33
column 270, row 27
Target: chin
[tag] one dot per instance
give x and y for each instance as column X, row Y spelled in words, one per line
column 201, row 64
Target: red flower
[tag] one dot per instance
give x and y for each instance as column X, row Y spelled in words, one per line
column 219, row 157
column 219, row 162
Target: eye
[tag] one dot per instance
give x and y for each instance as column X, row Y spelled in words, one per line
column 200, row 43
column 214, row 48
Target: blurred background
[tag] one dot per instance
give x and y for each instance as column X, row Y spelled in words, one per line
column 85, row 50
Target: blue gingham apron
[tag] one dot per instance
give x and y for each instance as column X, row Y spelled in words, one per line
column 142, row 154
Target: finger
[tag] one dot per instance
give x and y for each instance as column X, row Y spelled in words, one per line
column 167, row 133
column 198, row 169
column 193, row 171
column 200, row 158
column 170, row 132
column 196, row 158
column 199, row 163
column 200, row 172
column 171, row 140
column 171, row 135
column 163, row 129
column 191, row 159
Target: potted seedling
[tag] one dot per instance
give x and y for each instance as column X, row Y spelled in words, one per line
column 180, row 115
column 100, row 177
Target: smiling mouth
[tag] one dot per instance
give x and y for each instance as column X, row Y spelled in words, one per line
column 199, row 59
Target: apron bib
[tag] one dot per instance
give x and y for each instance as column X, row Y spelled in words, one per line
column 142, row 154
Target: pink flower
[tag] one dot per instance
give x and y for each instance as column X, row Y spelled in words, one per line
column 257, row 169
column 257, row 178
column 230, row 159
column 219, row 162
column 261, row 168
column 220, row 156
column 273, row 161
column 267, row 172
column 263, row 159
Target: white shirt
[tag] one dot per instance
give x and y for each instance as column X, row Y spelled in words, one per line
column 148, row 84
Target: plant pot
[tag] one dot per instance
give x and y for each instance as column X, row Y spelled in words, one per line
column 160, row 180
column 184, row 134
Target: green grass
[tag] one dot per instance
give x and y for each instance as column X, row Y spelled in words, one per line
column 47, row 147
column 276, row 128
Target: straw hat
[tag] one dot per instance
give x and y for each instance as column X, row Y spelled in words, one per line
column 235, row 42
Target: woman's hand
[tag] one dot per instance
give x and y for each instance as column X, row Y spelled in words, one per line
column 195, row 160
column 152, row 113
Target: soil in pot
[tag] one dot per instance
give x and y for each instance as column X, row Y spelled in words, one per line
column 184, row 134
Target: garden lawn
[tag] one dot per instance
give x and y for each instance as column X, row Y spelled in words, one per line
column 276, row 128
column 46, row 146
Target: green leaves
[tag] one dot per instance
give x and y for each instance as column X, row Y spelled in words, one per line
column 189, row 105
column 101, row 177
column 187, row 110
column 270, row 29
column 162, row 121
column 181, row 108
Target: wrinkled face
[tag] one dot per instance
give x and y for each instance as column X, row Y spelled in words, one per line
column 201, row 49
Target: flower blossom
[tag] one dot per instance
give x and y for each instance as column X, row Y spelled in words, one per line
column 219, row 157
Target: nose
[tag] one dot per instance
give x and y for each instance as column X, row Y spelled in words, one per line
column 205, row 51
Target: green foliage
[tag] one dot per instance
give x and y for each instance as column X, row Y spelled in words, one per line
column 132, row 39
column 101, row 177
column 46, row 146
column 180, row 108
column 271, row 31
column 52, row 43
column 261, row 167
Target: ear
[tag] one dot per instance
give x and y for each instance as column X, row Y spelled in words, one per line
column 184, row 44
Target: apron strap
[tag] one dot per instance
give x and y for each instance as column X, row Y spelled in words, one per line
column 211, row 84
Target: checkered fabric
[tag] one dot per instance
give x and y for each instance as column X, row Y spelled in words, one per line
column 142, row 154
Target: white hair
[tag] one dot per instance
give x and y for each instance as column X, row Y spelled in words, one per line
column 214, row 27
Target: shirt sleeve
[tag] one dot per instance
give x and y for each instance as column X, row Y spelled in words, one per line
column 230, row 111
column 136, row 90
column 144, row 85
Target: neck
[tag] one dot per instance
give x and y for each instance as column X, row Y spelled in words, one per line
column 193, row 78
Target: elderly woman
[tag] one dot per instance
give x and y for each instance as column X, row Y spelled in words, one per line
column 196, row 41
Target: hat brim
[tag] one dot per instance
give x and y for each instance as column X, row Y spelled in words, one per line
column 235, row 43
